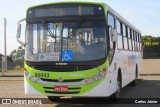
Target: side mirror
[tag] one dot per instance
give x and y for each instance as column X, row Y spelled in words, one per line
column 18, row 31
column 114, row 35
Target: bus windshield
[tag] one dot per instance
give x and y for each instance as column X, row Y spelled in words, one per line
column 66, row 41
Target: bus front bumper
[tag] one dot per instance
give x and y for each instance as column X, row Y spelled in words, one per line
column 96, row 89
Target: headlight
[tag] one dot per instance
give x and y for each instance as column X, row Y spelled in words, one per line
column 26, row 73
column 88, row 80
column 35, row 79
column 95, row 78
column 101, row 74
column 30, row 77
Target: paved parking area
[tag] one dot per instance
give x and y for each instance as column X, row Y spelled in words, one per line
column 147, row 87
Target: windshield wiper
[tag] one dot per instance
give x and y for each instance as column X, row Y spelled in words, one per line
column 79, row 25
column 47, row 28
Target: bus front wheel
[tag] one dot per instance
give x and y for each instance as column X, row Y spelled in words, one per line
column 134, row 82
column 118, row 88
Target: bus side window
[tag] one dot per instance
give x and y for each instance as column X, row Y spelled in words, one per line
column 111, row 22
column 132, row 37
column 125, row 39
column 129, row 39
column 120, row 37
column 118, row 27
column 136, row 49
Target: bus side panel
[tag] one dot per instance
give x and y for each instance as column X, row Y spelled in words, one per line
column 29, row 89
column 127, row 65
column 100, row 90
column 112, row 75
column 125, row 61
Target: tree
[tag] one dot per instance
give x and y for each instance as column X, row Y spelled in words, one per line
column 151, row 46
column 17, row 54
column 9, row 59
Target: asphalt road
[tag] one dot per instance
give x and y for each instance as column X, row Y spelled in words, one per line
column 147, row 87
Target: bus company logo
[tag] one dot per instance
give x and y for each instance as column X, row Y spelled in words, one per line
column 42, row 56
column 6, row 101
column 60, row 80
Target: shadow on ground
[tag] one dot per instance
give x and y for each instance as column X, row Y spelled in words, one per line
column 144, row 89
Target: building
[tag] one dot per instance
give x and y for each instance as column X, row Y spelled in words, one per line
column 1, row 57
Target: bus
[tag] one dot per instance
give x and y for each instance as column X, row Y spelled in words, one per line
column 79, row 49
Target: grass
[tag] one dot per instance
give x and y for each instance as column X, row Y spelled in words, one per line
column 15, row 70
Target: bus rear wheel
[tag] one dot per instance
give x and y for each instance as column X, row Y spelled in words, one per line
column 53, row 98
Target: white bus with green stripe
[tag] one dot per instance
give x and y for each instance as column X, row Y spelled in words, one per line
column 79, row 49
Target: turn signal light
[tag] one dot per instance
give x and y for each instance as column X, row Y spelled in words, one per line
column 104, row 69
column 24, row 69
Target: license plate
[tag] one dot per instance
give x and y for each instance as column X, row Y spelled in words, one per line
column 61, row 88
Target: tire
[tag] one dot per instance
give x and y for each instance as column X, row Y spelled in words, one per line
column 118, row 88
column 53, row 98
column 134, row 82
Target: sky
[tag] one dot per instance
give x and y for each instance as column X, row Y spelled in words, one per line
column 143, row 14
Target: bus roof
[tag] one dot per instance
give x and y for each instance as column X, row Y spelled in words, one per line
column 122, row 19
column 106, row 7
column 69, row 1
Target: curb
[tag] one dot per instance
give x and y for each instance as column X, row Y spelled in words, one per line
column 10, row 80
column 149, row 74
column 11, row 76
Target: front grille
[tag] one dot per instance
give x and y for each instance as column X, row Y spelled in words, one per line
column 56, row 68
column 62, row 68
column 71, row 90
column 71, row 66
column 55, row 80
